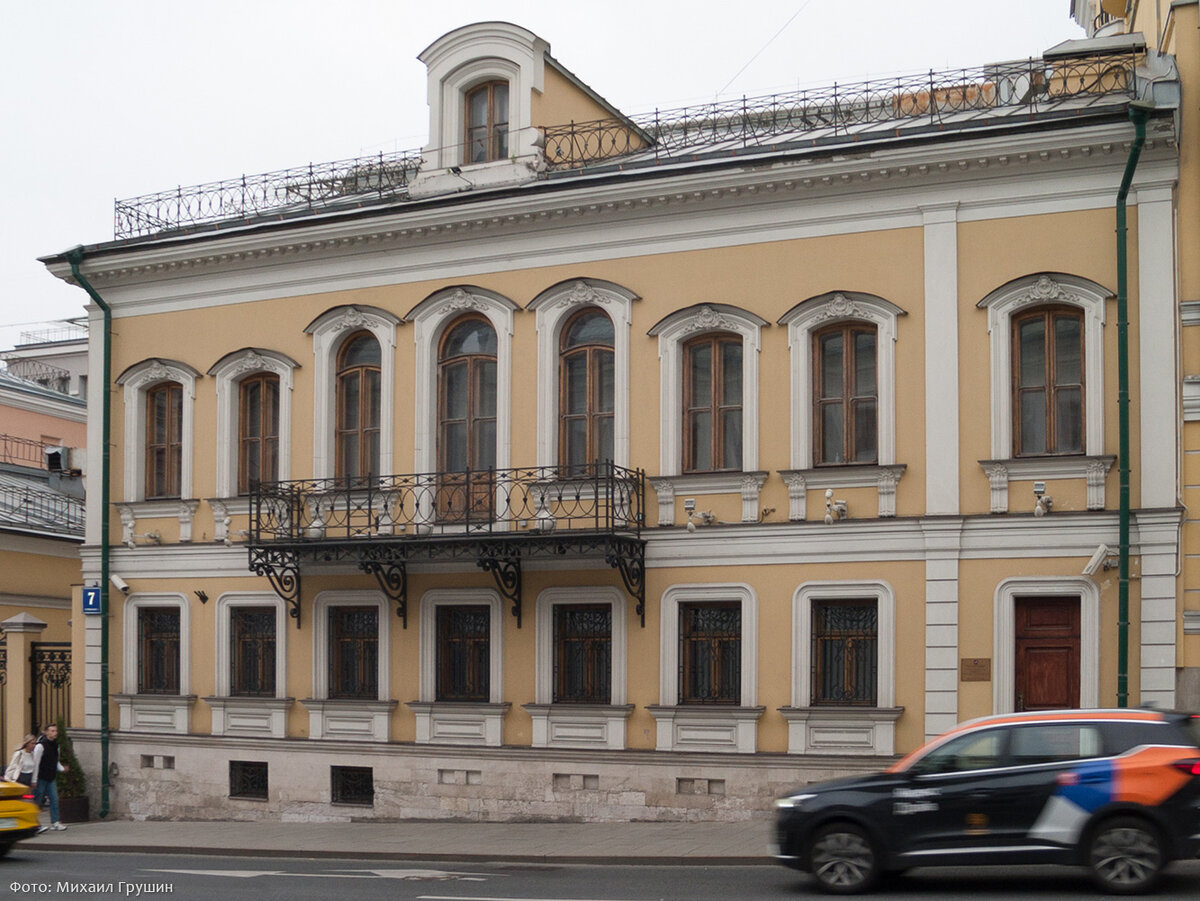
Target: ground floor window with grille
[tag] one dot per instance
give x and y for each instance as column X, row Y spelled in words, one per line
column 464, row 652
column 352, row 785
column 253, row 657
column 845, row 658
column 248, row 780
column 158, row 650
column 353, row 652
column 583, row 654
column 710, row 653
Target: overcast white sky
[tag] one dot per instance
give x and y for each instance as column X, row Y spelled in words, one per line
column 102, row 99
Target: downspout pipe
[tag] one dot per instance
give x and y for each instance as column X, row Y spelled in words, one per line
column 75, row 258
column 1139, row 112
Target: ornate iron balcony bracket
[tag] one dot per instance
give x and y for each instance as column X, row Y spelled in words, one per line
column 392, row 576
column 282, row 568
column 507, row 573
column 629, row 559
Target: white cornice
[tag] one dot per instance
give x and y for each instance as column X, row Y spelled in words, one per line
column 68, row 408
column 595, row 217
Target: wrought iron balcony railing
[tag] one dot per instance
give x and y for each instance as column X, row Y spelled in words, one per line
column 933, row 98
column 531, row 501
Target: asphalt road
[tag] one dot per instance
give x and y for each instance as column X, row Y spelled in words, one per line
column 29, row 873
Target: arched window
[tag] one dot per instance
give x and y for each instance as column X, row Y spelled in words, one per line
column 467, row 396
column 845, row 401
column 712, row 403
column 258, row 430
column 586, row 390
column 164, row 440
column 487, row 122
column 1048, row 382
column 358, row 407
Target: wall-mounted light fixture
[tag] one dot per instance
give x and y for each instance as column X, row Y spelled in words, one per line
column 834, row 509
column 1043, row 502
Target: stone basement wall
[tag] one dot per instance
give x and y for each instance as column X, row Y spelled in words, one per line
column 187, row 778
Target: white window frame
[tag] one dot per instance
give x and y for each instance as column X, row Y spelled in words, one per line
column 229, row 372
column 137, row 380
column 579, row 725
column 849, row 730
column 553, row 307
column 672, row 333
column 349, row 598
column 701, row 727
column 430, row 319
column 238, row 715
column 477, row 723
column 154, row 713
column 1004, row 649
column 885, row 645
column 811, row 315
column 329, row 332
column 224, row 635
column 459, row 597
column 576, row 595
column 1039, row 290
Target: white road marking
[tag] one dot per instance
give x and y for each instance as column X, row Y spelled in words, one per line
column 413, row 874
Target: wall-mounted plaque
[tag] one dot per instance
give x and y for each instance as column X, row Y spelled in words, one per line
column 976, row 669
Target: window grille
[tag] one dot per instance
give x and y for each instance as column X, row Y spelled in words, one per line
column 253, row 651
column 158, row 650
column 352, row 785
column 710, row 653
column 463, row 653
column 582, row 654
column 354, row 652
column 845, row 638
column 248, row 780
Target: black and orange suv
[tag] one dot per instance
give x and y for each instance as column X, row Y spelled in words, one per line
column 1114, row 791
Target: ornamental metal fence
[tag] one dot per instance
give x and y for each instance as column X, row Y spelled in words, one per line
column 51, row 682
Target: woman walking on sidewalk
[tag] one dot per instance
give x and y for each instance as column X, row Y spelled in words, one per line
column 47, row 767
column 21, row 767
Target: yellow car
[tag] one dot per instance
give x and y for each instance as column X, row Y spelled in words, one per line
column 18, row 814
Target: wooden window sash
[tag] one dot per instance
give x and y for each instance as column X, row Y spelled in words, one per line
column 164, row 482
column 1051, row 385
column 714, row 404
column 848, row 400
column 262, row 448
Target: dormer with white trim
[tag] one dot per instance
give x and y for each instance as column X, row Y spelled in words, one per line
column 492, row 87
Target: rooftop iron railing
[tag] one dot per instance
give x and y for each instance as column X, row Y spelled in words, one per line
column 931, row 97
column 42, row 511
column 66, row 332
column 34, row 370
column 22, row 451
column 598, row 497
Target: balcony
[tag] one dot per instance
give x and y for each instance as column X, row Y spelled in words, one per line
column 496, row 518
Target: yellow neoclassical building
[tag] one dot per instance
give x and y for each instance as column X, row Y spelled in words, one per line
column 582, row 464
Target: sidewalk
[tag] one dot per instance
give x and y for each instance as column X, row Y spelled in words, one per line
column 619, row 843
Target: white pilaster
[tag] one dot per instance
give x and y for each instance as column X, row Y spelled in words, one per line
column 1156, row 538
column 941, row 359
column 1157, row 322
column 943, row 540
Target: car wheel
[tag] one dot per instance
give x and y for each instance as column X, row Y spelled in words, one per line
column 1126, row 857
column 843, row 860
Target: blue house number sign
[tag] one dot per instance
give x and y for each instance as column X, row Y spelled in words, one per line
column 91, row 600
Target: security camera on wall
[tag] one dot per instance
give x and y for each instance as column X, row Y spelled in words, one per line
column 1097, row 561
column 120, row 584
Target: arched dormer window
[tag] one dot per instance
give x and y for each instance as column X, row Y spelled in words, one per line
column 486, row 131
column 586, row 389
column 358, row 407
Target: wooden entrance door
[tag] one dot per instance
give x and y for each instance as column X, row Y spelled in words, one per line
column 1047, row 658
